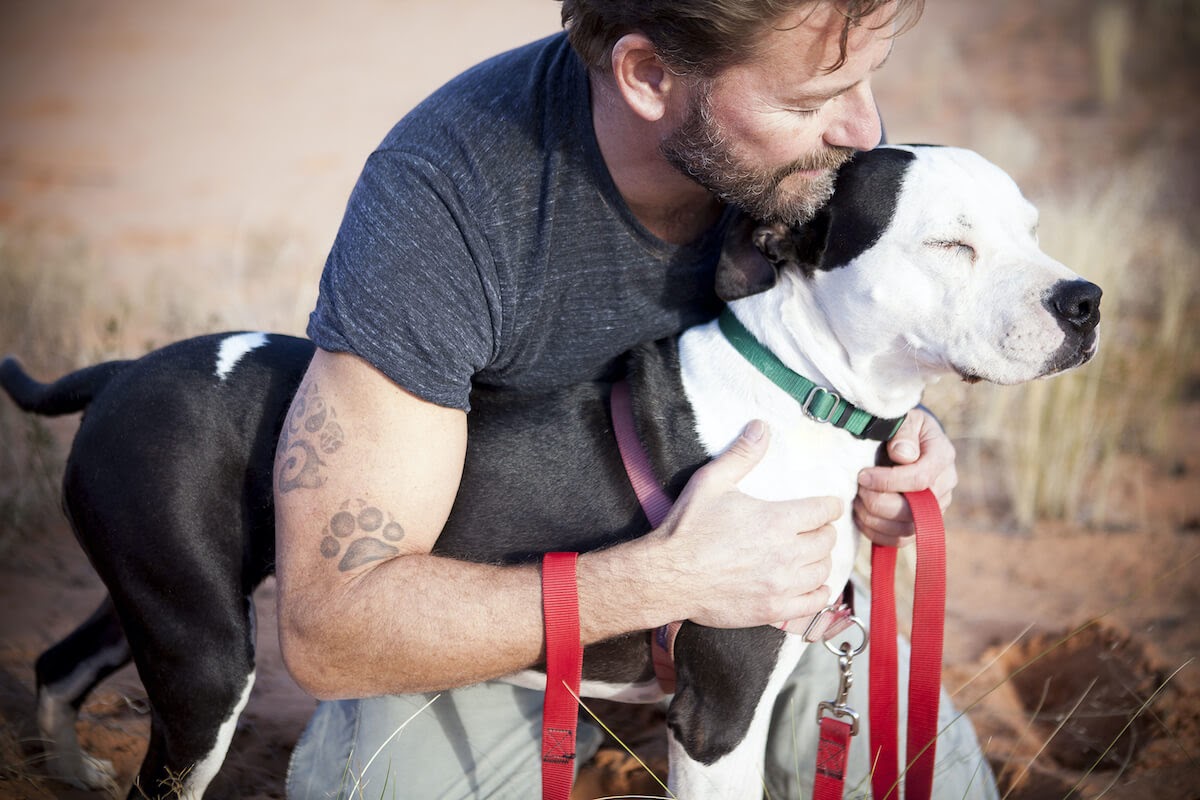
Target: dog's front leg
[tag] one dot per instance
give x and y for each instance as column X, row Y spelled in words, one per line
column 726, row 685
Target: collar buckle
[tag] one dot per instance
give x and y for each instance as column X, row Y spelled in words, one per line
column 819, row 394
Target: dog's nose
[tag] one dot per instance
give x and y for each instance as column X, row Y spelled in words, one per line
column 1076, row 304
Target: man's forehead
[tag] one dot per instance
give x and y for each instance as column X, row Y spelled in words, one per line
column 796, row 55
column 826, row 85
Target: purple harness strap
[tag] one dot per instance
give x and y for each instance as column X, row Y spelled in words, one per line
column 656, row 505
column 654, row 500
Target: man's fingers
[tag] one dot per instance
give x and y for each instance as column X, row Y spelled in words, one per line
column 885, row 505
column 941, row 476
column 814, row 513
column 881, row 530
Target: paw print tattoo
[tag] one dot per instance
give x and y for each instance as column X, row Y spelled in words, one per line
column 375, row 537
column 310, row 430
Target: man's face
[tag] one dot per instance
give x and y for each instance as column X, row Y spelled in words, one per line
column 768, row 134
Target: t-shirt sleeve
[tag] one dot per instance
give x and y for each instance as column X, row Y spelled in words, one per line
column 410, row 285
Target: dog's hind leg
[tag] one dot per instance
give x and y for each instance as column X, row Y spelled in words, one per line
column 198, row 686
column 66, row 674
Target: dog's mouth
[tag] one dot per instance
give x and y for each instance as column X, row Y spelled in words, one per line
column 1068, row 356
column 1072, row 354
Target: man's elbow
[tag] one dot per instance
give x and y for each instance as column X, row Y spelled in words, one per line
column 313, row 657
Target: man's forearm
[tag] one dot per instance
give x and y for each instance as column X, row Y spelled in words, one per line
column 460, row 623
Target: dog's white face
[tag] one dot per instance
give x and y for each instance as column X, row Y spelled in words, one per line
column 959, row 277
column 927, row 259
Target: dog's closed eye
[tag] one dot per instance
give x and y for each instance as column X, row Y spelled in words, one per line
column 954, row 247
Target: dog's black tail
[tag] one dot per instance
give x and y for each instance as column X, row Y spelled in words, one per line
column 68, row 394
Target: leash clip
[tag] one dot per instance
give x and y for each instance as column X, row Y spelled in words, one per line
column 846, row 654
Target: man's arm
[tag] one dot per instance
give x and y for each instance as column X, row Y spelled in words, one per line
column 366, row 475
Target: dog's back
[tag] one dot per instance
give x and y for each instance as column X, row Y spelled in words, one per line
column 168, row 488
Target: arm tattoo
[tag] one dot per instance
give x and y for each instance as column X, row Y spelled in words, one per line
column 311, row 429
column 372, row 536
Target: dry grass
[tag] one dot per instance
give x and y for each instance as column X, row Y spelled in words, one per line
column 35, row 296
column 62, row 308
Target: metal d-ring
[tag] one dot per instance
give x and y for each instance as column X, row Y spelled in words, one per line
column 845, row 650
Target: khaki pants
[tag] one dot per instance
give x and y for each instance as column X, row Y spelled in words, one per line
column 484, row 741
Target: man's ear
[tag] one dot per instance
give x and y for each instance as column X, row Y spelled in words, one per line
column 750, row 258
column 641, row 78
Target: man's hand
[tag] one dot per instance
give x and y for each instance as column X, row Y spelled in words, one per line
column 924, row 459
column 742, row 561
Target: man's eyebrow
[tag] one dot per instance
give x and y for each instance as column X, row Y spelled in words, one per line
column 817, row 97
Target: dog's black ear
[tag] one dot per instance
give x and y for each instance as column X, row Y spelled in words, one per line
column 811, row 241
column 750, row 258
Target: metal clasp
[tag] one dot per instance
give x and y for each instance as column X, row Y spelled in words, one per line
column 846, row 654
column 813, row 393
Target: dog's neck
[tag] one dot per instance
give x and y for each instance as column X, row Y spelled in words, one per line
column 789, row 321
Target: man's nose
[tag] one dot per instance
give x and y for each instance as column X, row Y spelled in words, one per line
column 857, row 124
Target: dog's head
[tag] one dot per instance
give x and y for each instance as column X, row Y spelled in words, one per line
column 928, row 254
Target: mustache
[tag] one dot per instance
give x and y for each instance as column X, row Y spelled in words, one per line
column 828, row 159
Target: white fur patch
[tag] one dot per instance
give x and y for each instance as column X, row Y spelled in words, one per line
column 234, row 348
column 206, row 768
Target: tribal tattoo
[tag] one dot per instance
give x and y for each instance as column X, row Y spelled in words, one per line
column 310, row 430
column 373, row 537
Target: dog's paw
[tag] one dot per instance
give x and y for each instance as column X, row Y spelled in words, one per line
column 84, row 771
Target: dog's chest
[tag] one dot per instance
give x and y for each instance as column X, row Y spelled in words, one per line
column 804, row 458
column 808, row 459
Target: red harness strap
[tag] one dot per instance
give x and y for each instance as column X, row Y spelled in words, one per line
column 925, row 669
column 564, row 667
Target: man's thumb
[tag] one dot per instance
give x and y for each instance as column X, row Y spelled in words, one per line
column 903, row 448
column 743, row 455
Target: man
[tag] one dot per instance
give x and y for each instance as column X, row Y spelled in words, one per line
column 521, row 229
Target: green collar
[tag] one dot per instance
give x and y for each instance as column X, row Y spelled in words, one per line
column 818, row 403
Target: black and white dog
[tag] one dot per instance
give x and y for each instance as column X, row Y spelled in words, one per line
column 925, row 263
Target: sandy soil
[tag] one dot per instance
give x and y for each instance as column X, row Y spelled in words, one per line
column 201, row 153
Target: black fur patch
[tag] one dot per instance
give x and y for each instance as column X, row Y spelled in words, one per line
column 863, row 205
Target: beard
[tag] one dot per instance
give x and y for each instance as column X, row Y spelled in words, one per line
column 700, row 150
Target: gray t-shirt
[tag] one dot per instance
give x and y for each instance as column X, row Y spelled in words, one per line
column 486, row 244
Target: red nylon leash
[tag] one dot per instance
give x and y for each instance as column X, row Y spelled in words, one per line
column 925, row 668
column 564, row 668
column 833, row 751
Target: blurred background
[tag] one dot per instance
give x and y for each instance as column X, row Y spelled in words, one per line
column 173, row 169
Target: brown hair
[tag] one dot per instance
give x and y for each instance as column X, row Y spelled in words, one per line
column 702, row 37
